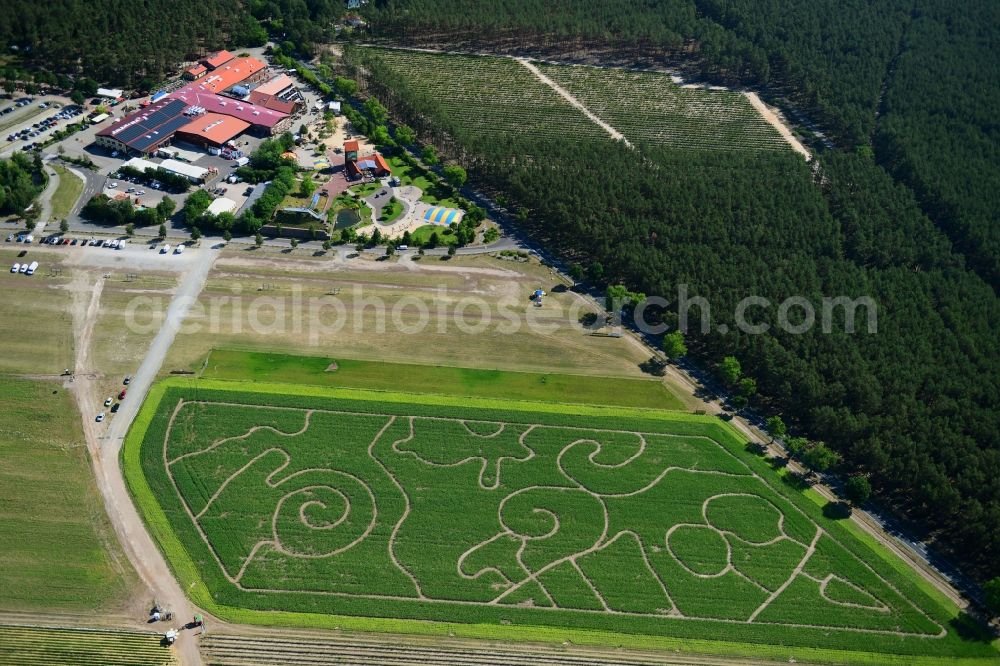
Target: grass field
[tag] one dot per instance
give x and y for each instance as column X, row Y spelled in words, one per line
column 59, row 552
column 66, row 194
column 35, row 319
column 547, row 387
column 224, row 315
column 40, row 646
column 421, row 235
column 336, row 507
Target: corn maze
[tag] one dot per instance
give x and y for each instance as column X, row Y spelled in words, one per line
column 494, row 97
column 657, row 526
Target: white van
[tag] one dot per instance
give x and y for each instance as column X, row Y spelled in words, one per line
column 15, row 268
column 179, row 249
column 165, row 249
column 24, row 268
column 32, row 268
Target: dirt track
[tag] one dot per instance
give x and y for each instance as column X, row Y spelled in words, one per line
column 104, row 440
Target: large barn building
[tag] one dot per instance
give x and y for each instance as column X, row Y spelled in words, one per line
column 212, row 129
column 263, row 121
column 144, row 131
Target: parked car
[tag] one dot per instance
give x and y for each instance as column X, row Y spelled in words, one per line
column 10, row 238
column 100, row 417
column 165, row 249
column 128, row 380
column 107, row 403
column 121, row 396
column 15, row 268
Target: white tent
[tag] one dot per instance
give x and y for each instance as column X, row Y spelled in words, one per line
column 221, row 205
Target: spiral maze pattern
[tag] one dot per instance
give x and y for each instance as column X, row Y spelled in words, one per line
column 673, row 514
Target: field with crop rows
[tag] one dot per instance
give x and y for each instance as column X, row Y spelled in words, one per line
column 404, row 506
column 648, row 107
column 488, row 97
column 42, row 646
column 495, row 96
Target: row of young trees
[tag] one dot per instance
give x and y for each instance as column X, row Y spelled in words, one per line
column 911, row 403
column 830, row 55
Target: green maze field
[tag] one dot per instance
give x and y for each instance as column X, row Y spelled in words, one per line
column 479, row 511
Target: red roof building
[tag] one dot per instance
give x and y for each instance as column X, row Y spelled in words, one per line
column 217, row 59
column 374, row 163
column 275, row 86
column 266, row 120
column 235, row 71
column 275, row 103
column 213, row 129
column 196, row 72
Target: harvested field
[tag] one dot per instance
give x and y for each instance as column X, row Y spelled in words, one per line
column 45, row 646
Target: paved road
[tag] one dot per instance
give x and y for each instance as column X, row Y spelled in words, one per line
column 44, row 201
column 138, row 544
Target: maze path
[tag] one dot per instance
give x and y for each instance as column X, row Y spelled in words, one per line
column 546, row 533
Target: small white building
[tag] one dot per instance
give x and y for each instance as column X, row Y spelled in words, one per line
column 191, row 172
column 222, row 205
column 141, row 164
column 334, row 107
column 110, row 93
column 99, row 118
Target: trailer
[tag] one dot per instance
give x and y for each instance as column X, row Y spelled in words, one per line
column 32, row 267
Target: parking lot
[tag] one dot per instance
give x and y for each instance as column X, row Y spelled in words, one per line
column 30, row 118
column 19, row 119
column 108, row 252
column 53, row 119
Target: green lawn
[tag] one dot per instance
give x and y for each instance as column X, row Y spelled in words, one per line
column 409, row 175
column 438, row 195
column 261, row 366
column 364, row 189
column 391, row 211
column 421, row 235
column 69, row 190
column 512, row 520
column 53, row 528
